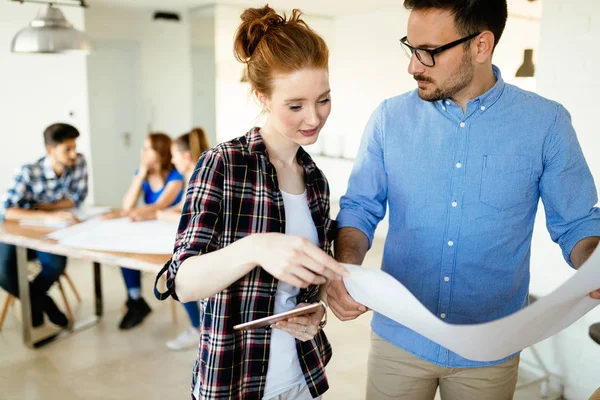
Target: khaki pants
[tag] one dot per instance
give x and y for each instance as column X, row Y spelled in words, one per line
column 396, row 374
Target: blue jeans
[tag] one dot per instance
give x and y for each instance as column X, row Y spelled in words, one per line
column 193, row 311
column 52, row 268
column 133, row 279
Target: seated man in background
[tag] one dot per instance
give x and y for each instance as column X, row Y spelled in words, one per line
column 44, row 191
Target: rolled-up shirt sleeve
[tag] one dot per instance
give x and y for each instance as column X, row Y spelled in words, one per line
column 19, row 193
column 567, row 188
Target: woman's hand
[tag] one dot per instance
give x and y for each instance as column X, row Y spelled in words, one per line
column 114, row 214
column 142, row 214
column 143, row 169
column 303, row 328
column 294, row 259
column 168, row 215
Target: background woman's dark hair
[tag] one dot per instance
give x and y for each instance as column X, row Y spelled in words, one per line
column 195, row 142
column 470, row 16
column 270, row 43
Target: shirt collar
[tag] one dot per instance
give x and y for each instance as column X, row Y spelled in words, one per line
column 47, row 168
column 488, row 98
column 256, row 145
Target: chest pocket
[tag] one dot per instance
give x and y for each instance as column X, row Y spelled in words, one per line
column 505, row 180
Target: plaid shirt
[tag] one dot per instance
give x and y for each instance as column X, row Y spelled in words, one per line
column 36, row 183
column 234, row 193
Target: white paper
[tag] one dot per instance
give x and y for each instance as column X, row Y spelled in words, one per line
column 44, row 223
column 82, row 213
column 489, row 341
column 85, row 213
column 120, row 235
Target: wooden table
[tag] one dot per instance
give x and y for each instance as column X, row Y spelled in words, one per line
column 30, row 237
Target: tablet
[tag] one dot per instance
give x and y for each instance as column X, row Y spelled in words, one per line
column 266, row 321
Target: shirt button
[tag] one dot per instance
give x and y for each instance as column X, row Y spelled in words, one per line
column 482, row 108
column 443, row 108
column 447, row 103
column 462, row 124
column 446, row 279
column 443, row 315
column 458, row 165
column 450, row 243
column 454, row 204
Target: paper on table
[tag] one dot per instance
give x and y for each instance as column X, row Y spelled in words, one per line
column 120, row 235
column 82, row 213
column 85, row 213
column 489, row 341
column 44, row 223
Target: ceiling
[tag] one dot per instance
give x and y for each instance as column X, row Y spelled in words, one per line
column 315, row 7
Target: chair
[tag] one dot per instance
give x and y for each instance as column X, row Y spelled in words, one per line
column 10, row 299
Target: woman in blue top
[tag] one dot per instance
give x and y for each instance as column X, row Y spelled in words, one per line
column 162, row 187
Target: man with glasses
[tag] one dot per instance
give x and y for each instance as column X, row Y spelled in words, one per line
column 461, row 162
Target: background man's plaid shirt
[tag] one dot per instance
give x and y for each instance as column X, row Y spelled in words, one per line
column 234, row 193
column 36, row 183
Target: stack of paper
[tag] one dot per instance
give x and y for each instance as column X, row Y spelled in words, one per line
column 83, row 213
column 120, row 235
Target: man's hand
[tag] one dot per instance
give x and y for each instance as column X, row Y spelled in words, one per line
column 61, row 216
column 581, row 252
column 343, row 306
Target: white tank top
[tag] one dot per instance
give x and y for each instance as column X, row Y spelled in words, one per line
column 284, row 370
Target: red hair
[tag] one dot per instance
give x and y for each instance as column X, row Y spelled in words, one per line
column 269, row 43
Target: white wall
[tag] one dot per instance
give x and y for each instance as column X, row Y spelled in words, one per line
column 567, row 72
column 36, row 91
column 166, row 72
column 204, row 113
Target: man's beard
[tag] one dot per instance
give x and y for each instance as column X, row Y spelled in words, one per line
column 457, row 83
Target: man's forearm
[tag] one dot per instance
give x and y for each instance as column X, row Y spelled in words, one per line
column 17, row 214
column 59, row 205
column 351, row 246
column 583, row 250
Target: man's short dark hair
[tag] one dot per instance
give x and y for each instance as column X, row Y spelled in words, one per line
column 55, row 134
column 470, row 16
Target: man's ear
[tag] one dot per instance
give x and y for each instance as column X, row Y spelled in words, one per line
column 484, row 44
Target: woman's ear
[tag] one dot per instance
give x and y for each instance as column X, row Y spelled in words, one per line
column 263, row 100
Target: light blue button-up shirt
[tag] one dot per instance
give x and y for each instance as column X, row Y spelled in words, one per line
column 463, row 191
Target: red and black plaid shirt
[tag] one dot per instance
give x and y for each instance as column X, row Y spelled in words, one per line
column 234, row 193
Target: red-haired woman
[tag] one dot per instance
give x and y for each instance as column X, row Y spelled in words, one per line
column 255, row 234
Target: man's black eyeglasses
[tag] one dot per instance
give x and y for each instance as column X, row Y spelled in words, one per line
column 426, row 56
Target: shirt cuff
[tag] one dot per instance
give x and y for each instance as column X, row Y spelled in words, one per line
column 348, row 218
column 575, row 237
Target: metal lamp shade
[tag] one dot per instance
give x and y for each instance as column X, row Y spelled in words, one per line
column 50, row 32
